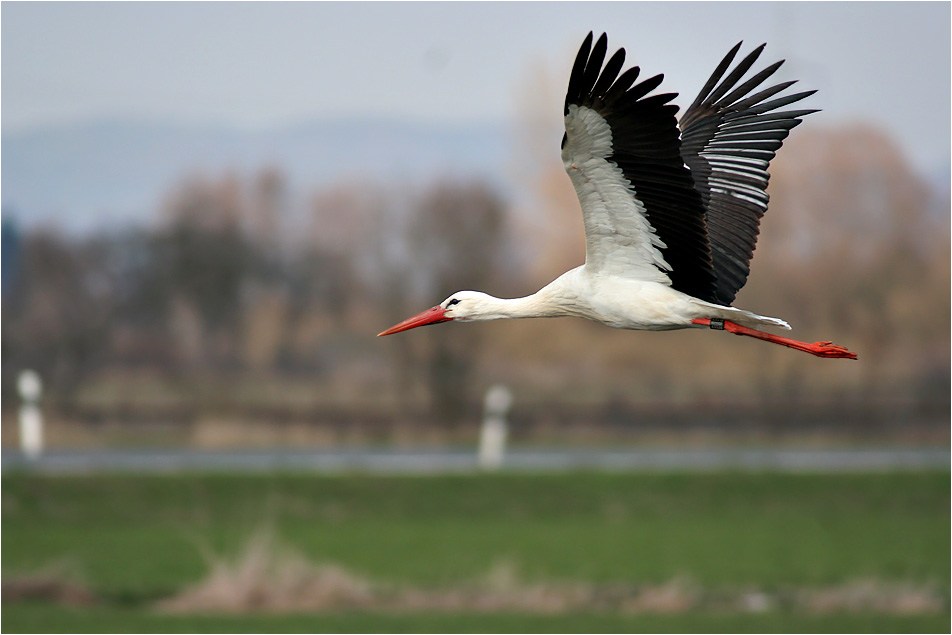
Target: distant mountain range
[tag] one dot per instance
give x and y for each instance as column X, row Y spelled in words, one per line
column 85, row 176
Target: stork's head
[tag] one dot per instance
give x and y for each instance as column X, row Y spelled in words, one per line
column 462, row 305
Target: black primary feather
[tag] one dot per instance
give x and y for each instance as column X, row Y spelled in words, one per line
column 728, row 141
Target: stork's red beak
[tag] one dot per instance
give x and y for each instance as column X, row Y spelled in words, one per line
column 430, row 316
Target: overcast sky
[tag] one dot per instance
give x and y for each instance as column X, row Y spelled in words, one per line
column 269, row 64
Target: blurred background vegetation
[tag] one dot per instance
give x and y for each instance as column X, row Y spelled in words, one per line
column 245, row 313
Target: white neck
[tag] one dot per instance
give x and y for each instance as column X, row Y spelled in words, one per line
column 530, row 306
column 553, row 300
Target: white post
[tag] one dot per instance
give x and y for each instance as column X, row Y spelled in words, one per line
column 492, row 437
column 31, row 419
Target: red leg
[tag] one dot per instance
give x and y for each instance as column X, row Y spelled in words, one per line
column 820, row 349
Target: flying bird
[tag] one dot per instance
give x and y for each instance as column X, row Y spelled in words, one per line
column 671, row 207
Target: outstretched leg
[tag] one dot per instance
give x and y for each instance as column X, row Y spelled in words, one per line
column 820, row 349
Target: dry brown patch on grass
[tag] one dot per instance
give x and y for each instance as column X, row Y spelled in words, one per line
column 872, row 595
column 54, row 584
column 269, row 577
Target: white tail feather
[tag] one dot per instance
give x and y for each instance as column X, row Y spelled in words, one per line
column 746, row 318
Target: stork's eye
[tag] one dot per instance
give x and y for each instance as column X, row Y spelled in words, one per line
column 452, row 302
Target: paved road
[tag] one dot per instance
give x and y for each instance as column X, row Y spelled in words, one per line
column 447, row 461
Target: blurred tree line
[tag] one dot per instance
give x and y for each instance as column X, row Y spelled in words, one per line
column 227, row 284
column 242, row 296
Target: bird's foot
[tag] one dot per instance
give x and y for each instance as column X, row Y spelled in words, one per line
column 829, row 349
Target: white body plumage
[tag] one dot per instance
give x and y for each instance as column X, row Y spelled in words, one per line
column 616, row 301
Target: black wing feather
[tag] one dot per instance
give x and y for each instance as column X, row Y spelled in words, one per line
column 728, row 140
column 578, row 70
column 622, row 84
column 609, row 74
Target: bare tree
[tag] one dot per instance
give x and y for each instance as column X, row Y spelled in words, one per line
column 201, row 262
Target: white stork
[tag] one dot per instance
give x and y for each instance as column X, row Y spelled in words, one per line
column 671, row 208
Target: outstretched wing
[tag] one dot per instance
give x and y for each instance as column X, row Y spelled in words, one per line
column 728, row 140
column 643, row 217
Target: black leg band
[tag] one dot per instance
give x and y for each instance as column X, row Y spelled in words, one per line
column 717, row 324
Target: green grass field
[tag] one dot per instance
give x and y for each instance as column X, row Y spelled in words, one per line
column 133, row 540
